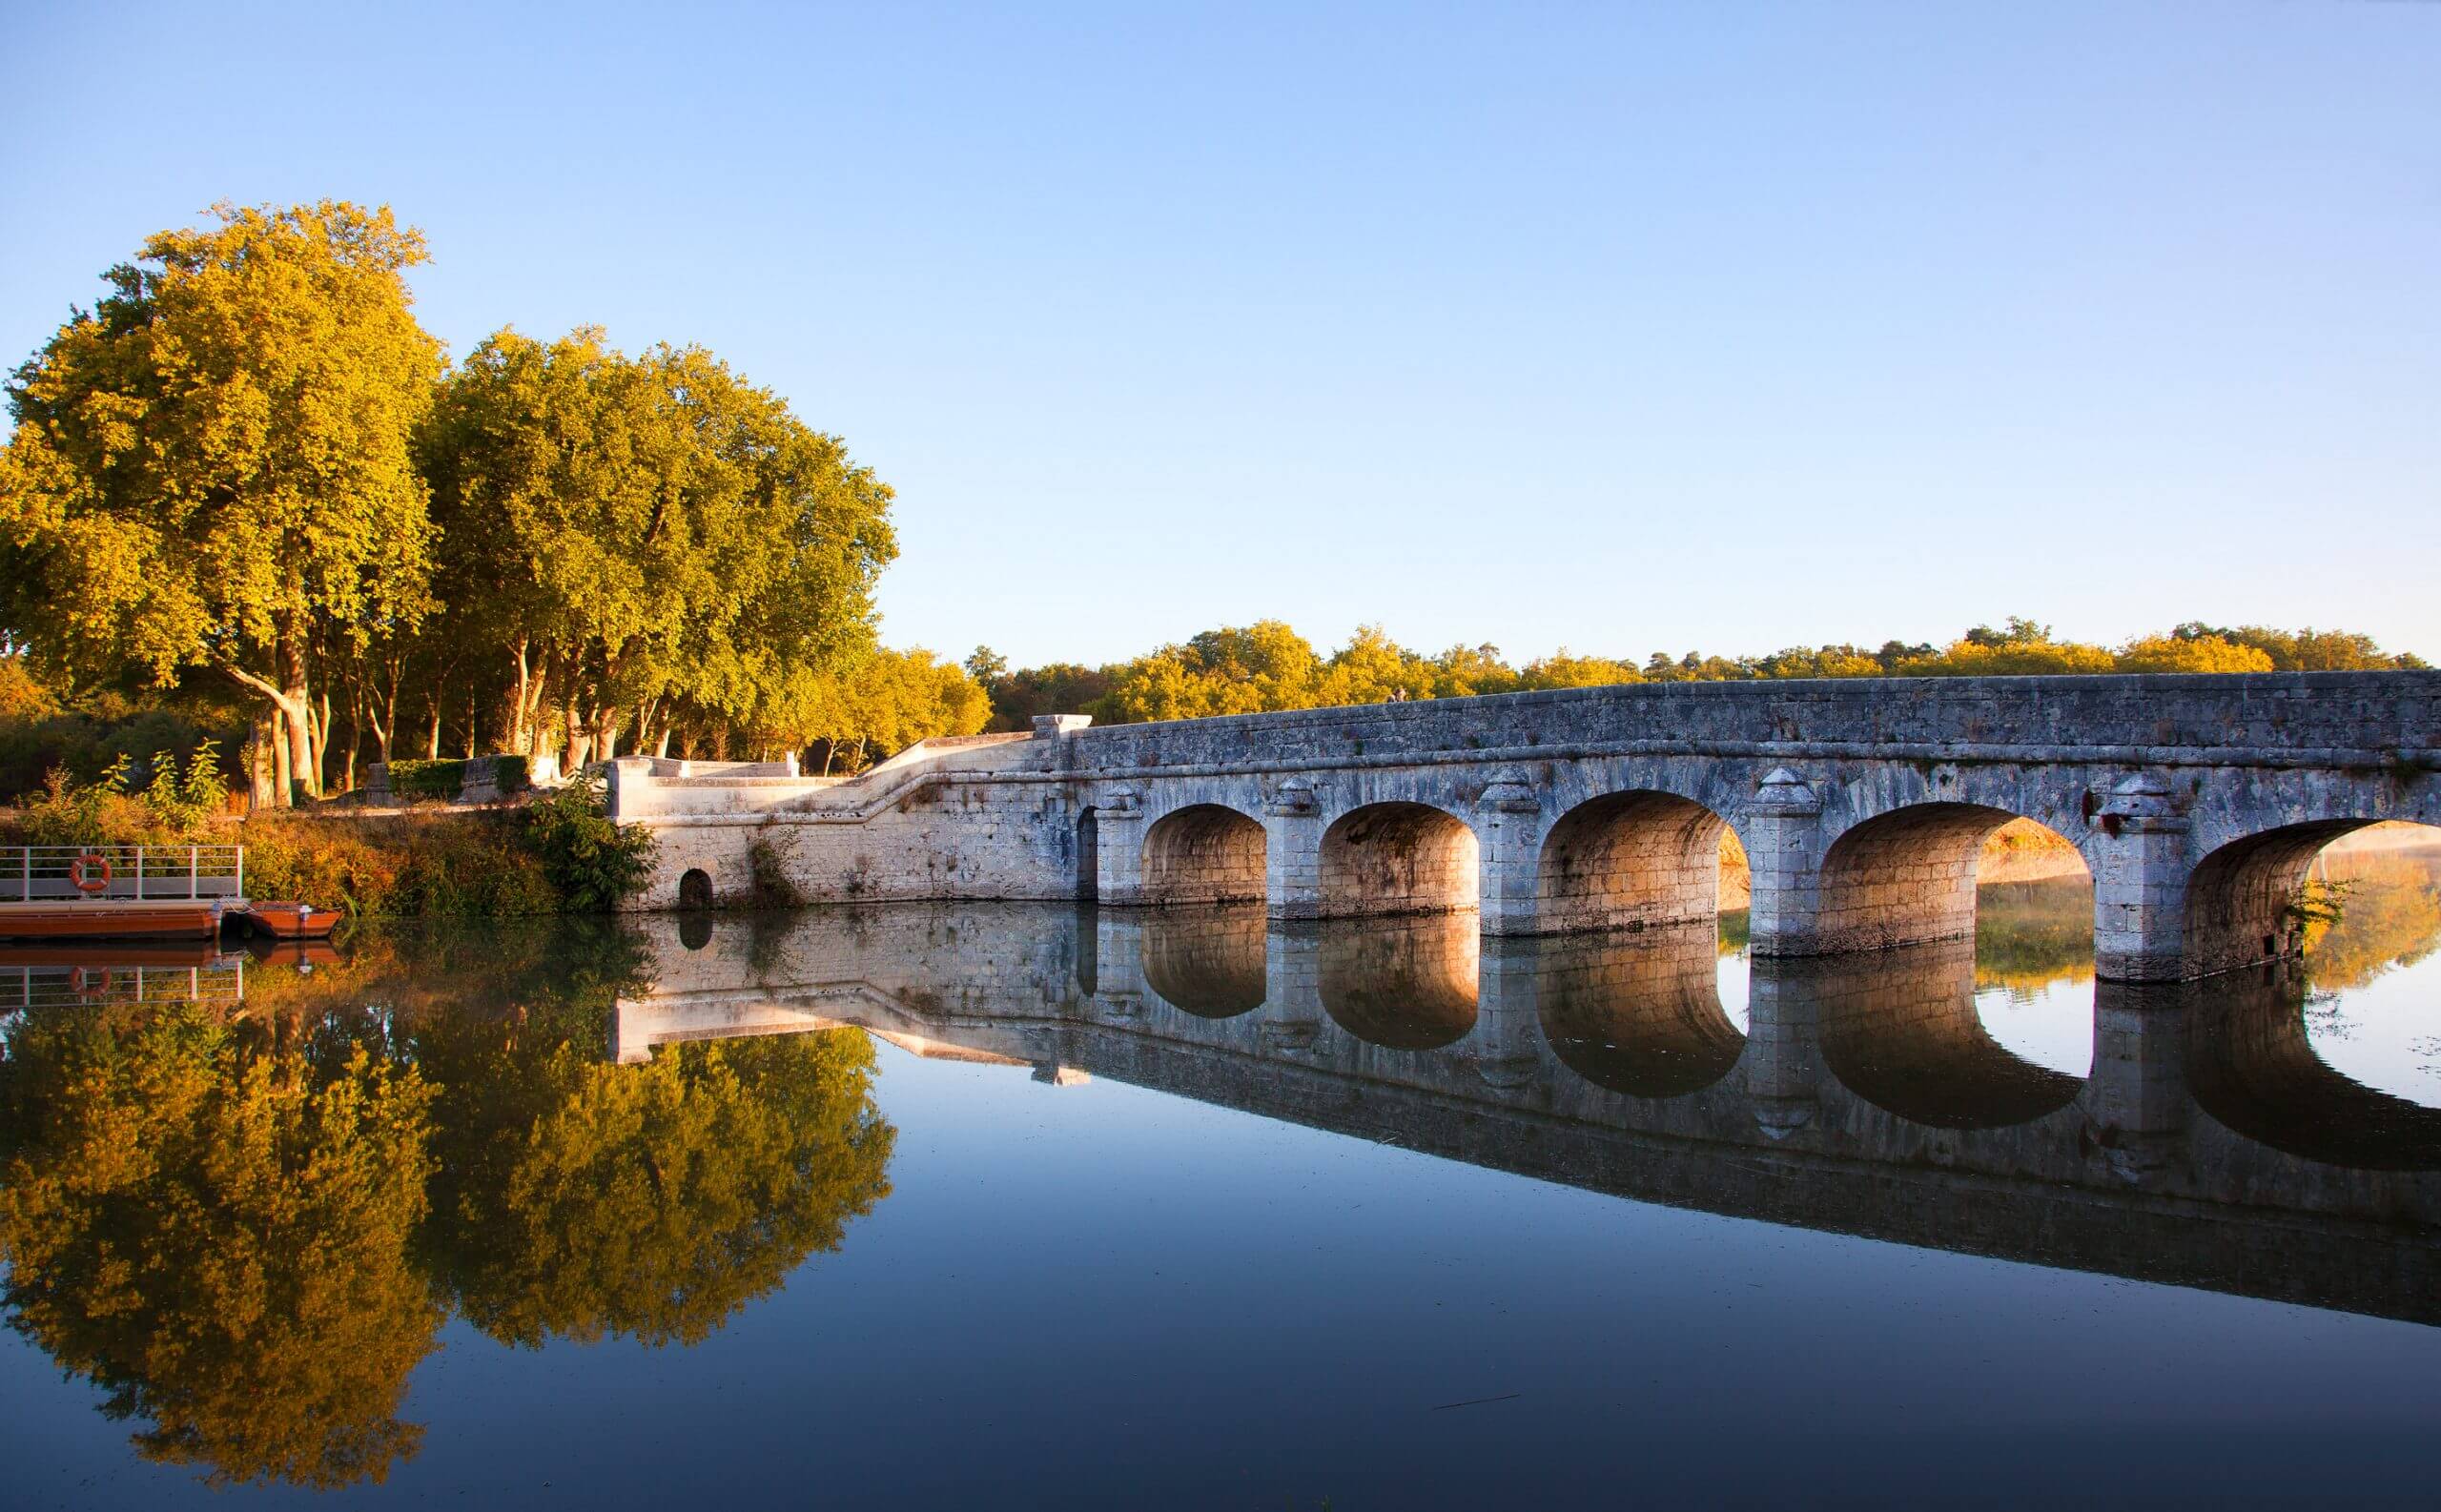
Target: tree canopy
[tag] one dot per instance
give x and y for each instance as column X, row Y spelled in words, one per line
column 1267, row 665
column 211, row 469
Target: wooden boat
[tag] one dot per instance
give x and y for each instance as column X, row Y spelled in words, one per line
column 292, row 921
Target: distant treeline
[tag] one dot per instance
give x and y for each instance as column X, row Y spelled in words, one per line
column 1267, row 665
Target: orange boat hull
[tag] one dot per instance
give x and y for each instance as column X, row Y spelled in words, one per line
column 293, row 921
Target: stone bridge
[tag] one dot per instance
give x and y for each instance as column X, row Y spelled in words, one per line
column 2198, row 803
column 2205, row 1145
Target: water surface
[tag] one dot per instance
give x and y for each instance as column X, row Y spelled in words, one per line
column 965, row 1206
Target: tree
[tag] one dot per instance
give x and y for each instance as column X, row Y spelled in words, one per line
column 2202, row 653
column 647, row 543
column 211, row 469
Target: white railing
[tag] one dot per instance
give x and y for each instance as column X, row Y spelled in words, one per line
column 120, row 873
column 222, row 983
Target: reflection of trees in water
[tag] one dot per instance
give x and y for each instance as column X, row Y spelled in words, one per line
column 2030, row 934
column 2391, row 917
column 248, row 1231
column 2252, row 1066
column 580, row 1199
column 216, row 1232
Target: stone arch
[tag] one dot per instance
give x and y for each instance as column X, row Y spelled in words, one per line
column 1627, row 861
column 2241, row 898
column 1203, row 853
column 1640, row 1014
column 1398, row 858
column 1401, row 984
column 1903, row 1031
column 1906, row 877
column 696, row 889
column 1208, row 962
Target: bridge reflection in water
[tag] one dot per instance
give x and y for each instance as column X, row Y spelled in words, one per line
column 2206, row 1146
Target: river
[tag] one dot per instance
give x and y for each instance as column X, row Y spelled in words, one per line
column 1023, row 1205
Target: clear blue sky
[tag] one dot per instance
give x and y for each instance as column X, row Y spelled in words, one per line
column 1620, row 328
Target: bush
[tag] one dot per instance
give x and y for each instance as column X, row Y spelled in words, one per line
column 161, row 802
column 459, row 866
column 514, row 775
column 427, row 779
column 592, row 861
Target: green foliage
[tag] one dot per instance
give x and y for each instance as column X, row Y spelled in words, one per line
column 591, row 860
column 211, row 469
column 767, row 871
column 427, row 779
column 163, row 802
column 513, row 774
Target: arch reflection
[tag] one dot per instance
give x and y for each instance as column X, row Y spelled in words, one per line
column 2252, row 1066
column 1406, row 983
column 1639, row 1013
column 1902, row 1030
column 1208, row 962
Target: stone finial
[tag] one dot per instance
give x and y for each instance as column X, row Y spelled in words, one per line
column 1782, row 791
column 1509, row 792
column 1292, row 799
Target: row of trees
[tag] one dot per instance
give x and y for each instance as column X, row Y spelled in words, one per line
column 249, row 461
column 1268, row 665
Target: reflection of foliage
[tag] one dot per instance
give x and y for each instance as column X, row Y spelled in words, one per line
column 654, row 1200
column 248, row 1232
column 218, row 1234
column 2317, row 900
column 2394, row 919
column 1736, row 930
column 2030, row 934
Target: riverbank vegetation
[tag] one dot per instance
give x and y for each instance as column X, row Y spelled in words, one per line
column 1267, row 666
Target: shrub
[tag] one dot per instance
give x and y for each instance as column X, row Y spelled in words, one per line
column 427, row 779
column 459, row 866
column 592, row 861
column 514, row 773
column 768, row 871
column 162, row 803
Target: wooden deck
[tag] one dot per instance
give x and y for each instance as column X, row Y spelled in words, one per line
column 115, row 919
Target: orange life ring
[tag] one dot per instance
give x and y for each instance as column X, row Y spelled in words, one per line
column 80, row 872
column 89, row 981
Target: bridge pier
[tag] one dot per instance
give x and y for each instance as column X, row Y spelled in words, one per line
column 1784, row 863
column 1783, row 1057
column 1292, row 825
column 1119, row 848
column 1511, row 831
column 2140, row 866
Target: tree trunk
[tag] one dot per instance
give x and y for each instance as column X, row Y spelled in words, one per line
column 284, row 760
column 259, row 791
column 297, row 715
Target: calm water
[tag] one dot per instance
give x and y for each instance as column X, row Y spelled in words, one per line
column 982, row 1206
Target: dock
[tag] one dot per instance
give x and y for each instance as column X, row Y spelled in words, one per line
column 127, row 892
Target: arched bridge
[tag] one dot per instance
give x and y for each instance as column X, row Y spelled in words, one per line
column 2197, row 803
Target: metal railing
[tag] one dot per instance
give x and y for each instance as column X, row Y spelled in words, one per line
column 26, row 988
column 120, row 873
